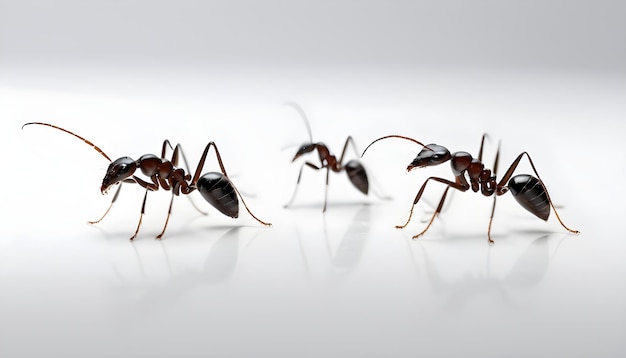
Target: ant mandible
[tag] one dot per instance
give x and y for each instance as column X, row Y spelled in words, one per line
column 216, row 188
column 528, row 191
column 355, row 170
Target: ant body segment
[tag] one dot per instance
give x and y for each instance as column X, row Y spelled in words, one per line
column 470, row 173
column 215, row 187
column 355, row 170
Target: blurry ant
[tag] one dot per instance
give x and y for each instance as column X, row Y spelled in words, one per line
column 216, row 188
column 354, row 169
column 528, row 190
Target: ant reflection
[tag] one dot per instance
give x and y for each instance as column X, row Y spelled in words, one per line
column 168, row 286
column 346, row 257
column 528, row 270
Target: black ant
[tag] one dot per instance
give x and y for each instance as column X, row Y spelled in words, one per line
column 216, row 188
column 355, row 170
column 529, row 191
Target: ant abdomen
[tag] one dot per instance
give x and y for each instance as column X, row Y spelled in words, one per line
column 530, row 194
column 218, row 190
column 358, row 176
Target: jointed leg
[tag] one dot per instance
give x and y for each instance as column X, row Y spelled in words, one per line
column 293, row 197
column 326, row 190
column 169, row 212
column 421, row 191
column 196, row 176
column 509, row 174
column 482, row 144
column 345, row 148
column 143, row 210
column 493, row 207
column 493, row 210
column 437, row 211
column 179, row 149
column 117, row 192
column 248, row 209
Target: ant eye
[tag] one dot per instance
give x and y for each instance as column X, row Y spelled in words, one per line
column 122, row 168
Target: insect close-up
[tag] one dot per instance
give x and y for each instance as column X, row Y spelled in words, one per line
column 162, row 173
column 355, row 170
column 470, row 173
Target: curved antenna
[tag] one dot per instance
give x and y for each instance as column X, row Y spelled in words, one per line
column 74, row 134
column 394, row 136
column 304, row 117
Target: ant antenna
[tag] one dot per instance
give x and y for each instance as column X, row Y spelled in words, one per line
column 394, row 136
column 304, row 117
column 75, row 135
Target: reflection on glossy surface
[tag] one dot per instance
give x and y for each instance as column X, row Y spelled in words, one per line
column 529, row 267
column 343, row 284
column 350, row 249
column 219, row 263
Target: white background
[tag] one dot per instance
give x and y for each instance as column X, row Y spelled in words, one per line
column 547, row 77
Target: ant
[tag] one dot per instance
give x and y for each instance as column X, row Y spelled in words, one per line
column 355, row 170
column 216, row 188
column 528, row 191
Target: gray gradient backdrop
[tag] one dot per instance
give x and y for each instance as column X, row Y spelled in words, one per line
column 547, row 77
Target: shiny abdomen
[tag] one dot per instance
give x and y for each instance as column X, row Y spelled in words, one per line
column 219, row 192
column 531, row 194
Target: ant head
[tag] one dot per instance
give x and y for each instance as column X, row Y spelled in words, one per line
column 430, row 155
column 118, row 170
column 305, row 148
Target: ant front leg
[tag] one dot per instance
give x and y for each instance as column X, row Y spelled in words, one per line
column 437, row 211
column 293, row 197
column 449, row 184
column 117, row 193
column 148, row 187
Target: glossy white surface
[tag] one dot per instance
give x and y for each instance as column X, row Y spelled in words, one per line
column 344, row 283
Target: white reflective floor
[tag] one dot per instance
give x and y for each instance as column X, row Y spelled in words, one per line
column 344, row 283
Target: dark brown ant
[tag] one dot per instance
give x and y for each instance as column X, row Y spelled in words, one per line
column 528, row 191
column 355, row 170
column 216, row 188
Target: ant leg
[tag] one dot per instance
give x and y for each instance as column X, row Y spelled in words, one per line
column 480, row 153
column 345, row 148
column 293, row 197
column 167, row 220
column 419, row 195
column 166, row 143
column 144, row 184
column 174, row 161
column 437, row 211
column 509, row 174
column 493, row 207
column 196, row 176
column 117, row 193
column 497, row 160
column 326, row 190
column 482, row 144
column 143, row 210
column 493, row 210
